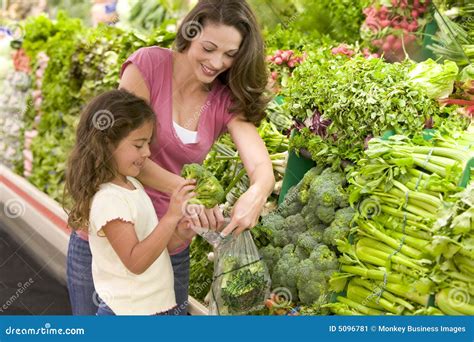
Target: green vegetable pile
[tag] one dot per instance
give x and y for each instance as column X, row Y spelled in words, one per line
column 242, row 286
column 208, row 189
column 393, row 262
column 299, row 237
column 344, row 101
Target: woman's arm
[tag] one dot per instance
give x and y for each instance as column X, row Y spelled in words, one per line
column 257, row 163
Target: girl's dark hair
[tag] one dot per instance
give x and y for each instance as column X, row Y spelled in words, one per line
column 248, row 76
column 105, row 121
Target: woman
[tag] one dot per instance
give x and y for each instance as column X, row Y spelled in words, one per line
column 213, row 81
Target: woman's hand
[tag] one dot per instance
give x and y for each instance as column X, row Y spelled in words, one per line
column 199, row 216
column 246, row 211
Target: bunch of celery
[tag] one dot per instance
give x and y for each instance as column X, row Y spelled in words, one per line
column 401, row 188
column 455, row 270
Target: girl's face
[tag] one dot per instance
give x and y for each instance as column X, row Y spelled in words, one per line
column 213, row 51
column 133, row 150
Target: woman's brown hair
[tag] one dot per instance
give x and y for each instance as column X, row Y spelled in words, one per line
column 105, row 121
column 248, row 76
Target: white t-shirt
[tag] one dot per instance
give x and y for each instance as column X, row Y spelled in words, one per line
column 185, row 135
column 123, row 291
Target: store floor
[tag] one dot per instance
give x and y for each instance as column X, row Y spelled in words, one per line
column 26, row 288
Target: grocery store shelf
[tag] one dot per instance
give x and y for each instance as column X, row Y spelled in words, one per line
column 39, row 223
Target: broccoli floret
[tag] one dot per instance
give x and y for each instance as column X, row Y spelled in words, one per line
column 307, row 242
column 327, row 189
column 291, row 205
column 340, row 227
column 281, row 238
column 290, row 209
column 305, row 183
column 312, row 284
column 273, row 221
column 286, row 270
column 295, row 224
column 326, row 214
column 324, row 258
column 271, row 255
column 208, row 189
column 310, row 217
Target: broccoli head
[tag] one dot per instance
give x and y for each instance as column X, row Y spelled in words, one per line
column 208, row 189
column 310, row 217
column 273, row 221
column 271, row 255
column 312, row 284
column 291, row 205
column 305, row 183
column 295, row 224
column 307, row 242
column 325, row 214
column 324, row 259
column 327, row 189
column 340, row 227
column 286, row 270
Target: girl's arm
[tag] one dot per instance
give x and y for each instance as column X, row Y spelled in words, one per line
column 257, row 163
column 138, row 256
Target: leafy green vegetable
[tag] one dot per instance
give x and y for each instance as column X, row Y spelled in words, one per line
column 436, row 79
column 208, row 189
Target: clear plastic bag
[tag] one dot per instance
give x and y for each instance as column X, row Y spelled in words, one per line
column 241, row 281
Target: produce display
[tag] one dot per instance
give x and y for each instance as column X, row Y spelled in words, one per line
column 369, row 129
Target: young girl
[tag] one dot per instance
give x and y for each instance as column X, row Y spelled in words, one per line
column 131, row 268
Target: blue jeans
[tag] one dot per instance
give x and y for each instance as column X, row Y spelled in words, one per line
column 180, row 264
column 79, row 277
column 81, row 286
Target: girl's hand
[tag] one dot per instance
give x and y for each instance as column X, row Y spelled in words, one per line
column 180, row 198
column 184, row 230
column 246, row 211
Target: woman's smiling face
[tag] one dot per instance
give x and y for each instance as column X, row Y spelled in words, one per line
column 213, row 51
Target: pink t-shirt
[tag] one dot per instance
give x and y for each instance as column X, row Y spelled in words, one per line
column 167, row 150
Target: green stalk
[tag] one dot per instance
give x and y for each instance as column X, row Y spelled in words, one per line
column 405, row 292
column 372, row 274
column 397, row 225
column 367, row 296
column 431, row 200
column 460, row 156
column 414, row 209
column 390, row 297
column 401, row 214
column 379, row 235
column 353, row 294
column 411, row 241
column 386, row 257
column 359, row 307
